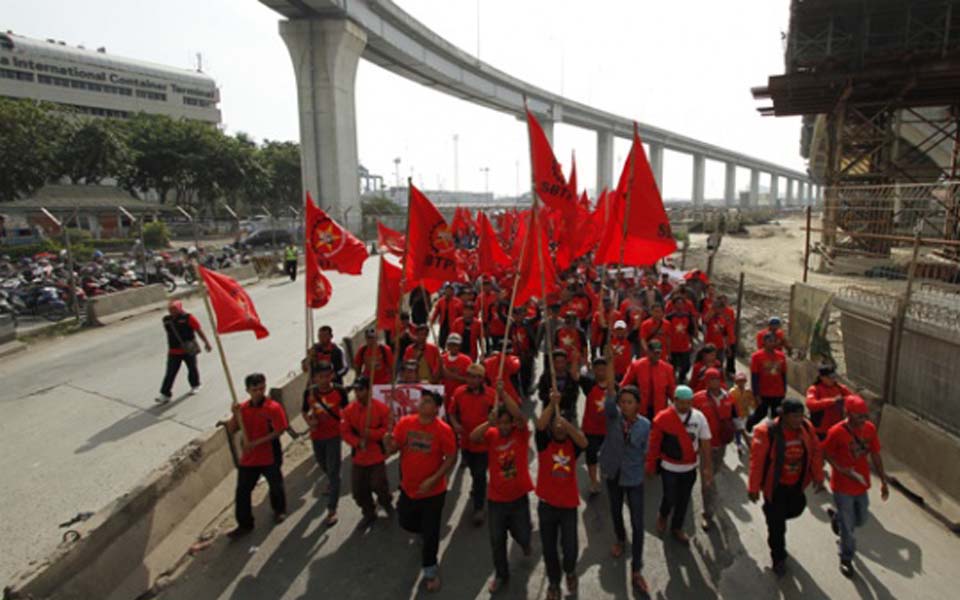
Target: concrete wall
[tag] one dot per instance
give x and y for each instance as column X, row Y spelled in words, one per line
column 243, row 274
column 103, row 310
column 866, row 338
column 927, row 374
column 8, row 330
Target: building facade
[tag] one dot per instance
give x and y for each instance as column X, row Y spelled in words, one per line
column 95, row 83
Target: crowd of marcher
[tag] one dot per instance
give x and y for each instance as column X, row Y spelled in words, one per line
column 633, row 370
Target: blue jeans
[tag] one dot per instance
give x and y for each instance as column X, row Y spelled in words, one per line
column 508, row 517
column 852, row 512
column 634, row 497
column 327, row 453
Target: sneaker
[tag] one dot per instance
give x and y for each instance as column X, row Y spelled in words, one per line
column 331, row 519
column 846, row 567
column 388, row 508
column 239, row 532
column 194, row 390
column 162, row 399
column 780, row 568
column 834, row 523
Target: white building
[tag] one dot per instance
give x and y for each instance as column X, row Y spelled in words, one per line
column 99, row 84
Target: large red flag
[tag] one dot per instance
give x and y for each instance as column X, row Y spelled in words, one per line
column 388, row 294
column 648, row 234
column 573, row 176
column 491, row 257
column 547, row 174
column 232, row 306
column 334, row 248
column 390, row 240
column 431, row 258
column 534, row 263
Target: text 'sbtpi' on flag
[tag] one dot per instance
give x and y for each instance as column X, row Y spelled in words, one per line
column 232, row 306
column 550, row 184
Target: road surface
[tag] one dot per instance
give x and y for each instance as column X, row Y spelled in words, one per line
column 905, row 553
column 80, row 425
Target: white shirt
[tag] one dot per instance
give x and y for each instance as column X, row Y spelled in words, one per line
column 699, row 430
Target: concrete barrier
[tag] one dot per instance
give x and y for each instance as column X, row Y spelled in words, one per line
column 801, row 374
column 242, row 274
column 116, row 554
column 103, row 310
column 8, row 337
column 922, row 459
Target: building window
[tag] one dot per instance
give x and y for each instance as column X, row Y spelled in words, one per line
column 12, row 74
column 196, row 102
column 151, row 95
column 84, row 85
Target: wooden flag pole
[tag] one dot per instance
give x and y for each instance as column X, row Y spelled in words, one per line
column 513, row 299
column 223, row 357
column 483, row 314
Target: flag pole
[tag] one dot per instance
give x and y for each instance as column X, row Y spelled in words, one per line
column 216, row 338
column 543, row 278
column 371, row 365
column 483, row 315
column 513, row 299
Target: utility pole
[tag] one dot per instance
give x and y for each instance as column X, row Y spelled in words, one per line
column 456, row 162
column 486, row 178
column 396, row 170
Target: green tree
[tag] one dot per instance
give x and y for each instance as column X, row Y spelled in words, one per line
column 281, row 160
column 92, row 150
column 156, row 143
column 30, row 134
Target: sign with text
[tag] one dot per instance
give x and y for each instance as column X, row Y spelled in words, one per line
column 403, row 399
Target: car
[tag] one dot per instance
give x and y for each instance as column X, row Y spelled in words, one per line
column 266, row 238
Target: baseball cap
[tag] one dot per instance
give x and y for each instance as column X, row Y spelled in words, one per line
column 774, row 321
column 712, row 374
column 855, row 405
column 683, row 393
column 740, row 377
column 826, row 369
column 620, row 325
column 454, row 338
column 362, row 382
column 410, row 364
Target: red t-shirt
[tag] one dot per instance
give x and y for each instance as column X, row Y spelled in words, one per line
column 423, row 448
column 731, row 318
column 594, row 418
column 579, row 305
column 622, row 355
column 847, row 452
column 763, row 333
column 772, row 369
column 471, row 409
column 716, row 331
column 557, row 471
column 652, row 330
column 456, row 365
column 680, row 326
column 328, row 425
column 793, row 459
column 380, row 359
column 507, row 460
column 259, row 421
column 510, row 366
column 655, row 389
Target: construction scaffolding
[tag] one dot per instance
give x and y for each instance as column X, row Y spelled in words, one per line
column 878, row 84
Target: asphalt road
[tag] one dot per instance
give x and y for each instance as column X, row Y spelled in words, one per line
column 80, row 426
column 904, row 552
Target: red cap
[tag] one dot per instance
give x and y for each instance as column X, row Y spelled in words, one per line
column 712, row 374
column 855, row 405
column 176, row 306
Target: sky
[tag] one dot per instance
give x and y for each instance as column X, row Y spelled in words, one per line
column 683, row 65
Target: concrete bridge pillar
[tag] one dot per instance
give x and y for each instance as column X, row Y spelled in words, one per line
column 730, row 186
column 774, row 190
column 788, row 193
column 656, row 164
column 325, row 54
column 699, row 168
column 819, row 196
column 604, row 161
column 802, row 193
column 753, row 198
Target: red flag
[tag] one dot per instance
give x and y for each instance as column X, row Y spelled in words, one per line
column 648, row 234
column 334, row 248
column 534, row 263
column 462, row 223
column 232, row 306
column 388, row 294
column 492, row 259
column 431, row 258
column 523, row 225
column 318, row 286
column 390, row 240
column 594, row 226
column 547, row 174
column 573, row 176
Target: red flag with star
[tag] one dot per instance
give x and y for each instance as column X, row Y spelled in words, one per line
column 333, row 247
column 548, row 176
column 536, row 261
column 431, row 255
column 232, row 306
column 390, row 240
column 648, row 235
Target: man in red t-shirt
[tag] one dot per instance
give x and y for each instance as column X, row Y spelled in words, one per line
column 323, row 403
column 682, row 323
column 768, row 373
column 374, row 360
column 468, row 330
column 622, row 350
column 655, row 380
column 559, row 443
column 571, row 339
column 825, row 400
column 656, row 328
column 426, row 354
column 774, row 327
column 263, row 421
column 448, row 309
column 453, row 368
column 846, row 448
column 182, row 330
column 471, row 406
column 719, row 409
column 428, row 451
column 594, row 423
column 507, row 437
column 365, row 421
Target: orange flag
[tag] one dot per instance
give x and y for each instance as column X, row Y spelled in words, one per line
column 232, row 306
column 431, row 255
column 332, row 246
column 648, row 234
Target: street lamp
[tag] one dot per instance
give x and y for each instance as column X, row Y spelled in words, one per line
column 486, row 179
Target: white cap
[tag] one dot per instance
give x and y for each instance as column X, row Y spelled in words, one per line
column 620, row 325
column 454, row 338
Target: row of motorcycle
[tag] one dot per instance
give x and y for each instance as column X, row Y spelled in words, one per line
column 39, row 286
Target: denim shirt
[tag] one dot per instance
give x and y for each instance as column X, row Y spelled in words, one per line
column 620, row 457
